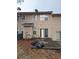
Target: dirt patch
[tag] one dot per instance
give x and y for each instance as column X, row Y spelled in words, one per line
column 24, row 51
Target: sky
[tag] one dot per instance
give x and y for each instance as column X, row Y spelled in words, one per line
column 41, row 5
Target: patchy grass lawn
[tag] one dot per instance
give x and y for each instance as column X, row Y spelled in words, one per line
column 24, row 51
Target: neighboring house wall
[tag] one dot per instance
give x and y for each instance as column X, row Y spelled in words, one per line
column 56, row 27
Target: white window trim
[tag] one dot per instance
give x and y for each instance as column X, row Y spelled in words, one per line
column 43, row 16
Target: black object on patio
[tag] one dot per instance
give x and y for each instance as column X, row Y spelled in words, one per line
column 37, row 44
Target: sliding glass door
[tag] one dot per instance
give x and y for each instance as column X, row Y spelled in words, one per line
column 43, row 33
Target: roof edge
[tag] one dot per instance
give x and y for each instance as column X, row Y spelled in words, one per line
column 56, row 15
column 40, row 12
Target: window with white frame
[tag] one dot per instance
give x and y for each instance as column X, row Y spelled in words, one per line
column 44, row 17
column 44, row 32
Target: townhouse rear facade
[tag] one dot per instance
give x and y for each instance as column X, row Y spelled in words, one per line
column 39, row 24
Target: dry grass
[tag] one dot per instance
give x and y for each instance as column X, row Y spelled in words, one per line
column 24, row 51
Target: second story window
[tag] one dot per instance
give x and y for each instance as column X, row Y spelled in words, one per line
column 20, row 17
column 44, row 17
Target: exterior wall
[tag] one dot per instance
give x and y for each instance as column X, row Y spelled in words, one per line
column 53, row 24
column 27, row 31
column 56, row 26
column 19, row 26
column 28, row 19
column 42, row 24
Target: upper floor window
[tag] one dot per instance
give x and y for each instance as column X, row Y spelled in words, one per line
column 20, row 17
column 44, row 17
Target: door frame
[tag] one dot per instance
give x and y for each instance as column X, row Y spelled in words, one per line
column 43, row 32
